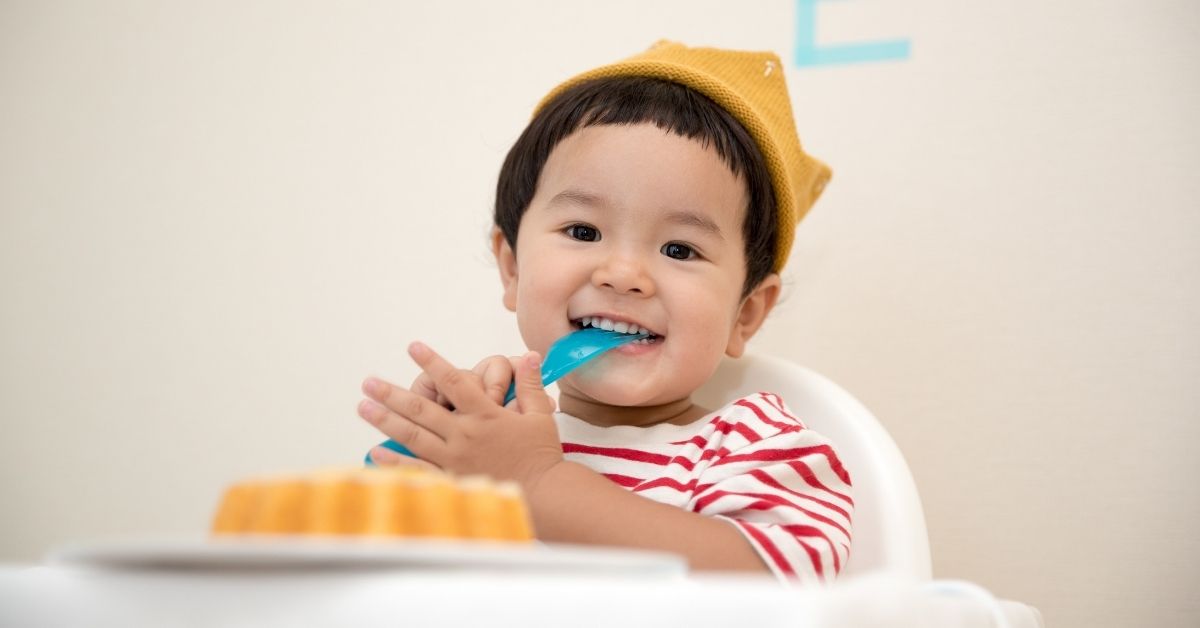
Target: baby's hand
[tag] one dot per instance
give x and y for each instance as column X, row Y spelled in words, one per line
column 519, row 442
column 494, row 373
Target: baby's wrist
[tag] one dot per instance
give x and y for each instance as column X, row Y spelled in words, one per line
column 540, row 484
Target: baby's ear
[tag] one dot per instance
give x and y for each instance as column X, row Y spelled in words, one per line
column 752, row 313
column 506, row 261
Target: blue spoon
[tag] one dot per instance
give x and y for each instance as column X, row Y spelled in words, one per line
column 565, row 355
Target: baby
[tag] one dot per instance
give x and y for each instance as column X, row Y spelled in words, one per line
column 659, row 195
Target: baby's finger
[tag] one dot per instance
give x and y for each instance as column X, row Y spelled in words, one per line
column 531, row 394
column 423, row 385
column 496, row 373
column 419, row 440
column 408, row 405
column 458, row 386
column 394, row 403
column 384, row 457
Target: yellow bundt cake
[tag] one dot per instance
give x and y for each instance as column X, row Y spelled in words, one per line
column 401, row 502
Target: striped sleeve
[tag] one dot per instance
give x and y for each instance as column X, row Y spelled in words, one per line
column 785, row 490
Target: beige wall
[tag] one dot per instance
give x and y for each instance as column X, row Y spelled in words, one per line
column 216, row 218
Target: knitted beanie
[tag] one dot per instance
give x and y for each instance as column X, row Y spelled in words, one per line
column 750, row 86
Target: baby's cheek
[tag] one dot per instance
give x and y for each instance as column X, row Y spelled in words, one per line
column 704, row 345
column 716, row 333
column 534, row 332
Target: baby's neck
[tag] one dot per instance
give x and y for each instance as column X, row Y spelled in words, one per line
column 679, row 412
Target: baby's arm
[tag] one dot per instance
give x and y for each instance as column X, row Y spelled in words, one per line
column 573, row 504
column 754, row 468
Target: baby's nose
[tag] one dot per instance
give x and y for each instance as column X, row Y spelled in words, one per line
column 624, row 275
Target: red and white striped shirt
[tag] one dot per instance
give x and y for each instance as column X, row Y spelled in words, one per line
column 751, row 463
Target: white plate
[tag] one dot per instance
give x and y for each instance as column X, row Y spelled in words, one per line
column 305, row 553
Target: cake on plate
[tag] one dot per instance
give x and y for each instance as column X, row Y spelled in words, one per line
column 378, row 502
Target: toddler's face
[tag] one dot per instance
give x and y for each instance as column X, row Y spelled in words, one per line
column 637, row 226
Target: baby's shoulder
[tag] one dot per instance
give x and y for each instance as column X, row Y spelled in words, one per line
column 755, row 417
column 765, row 407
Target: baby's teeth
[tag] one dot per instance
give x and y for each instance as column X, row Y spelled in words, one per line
column 608, row 324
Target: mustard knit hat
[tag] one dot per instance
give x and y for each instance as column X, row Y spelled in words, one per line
column 750, row 86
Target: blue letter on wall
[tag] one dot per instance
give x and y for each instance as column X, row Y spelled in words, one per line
column 808, row 54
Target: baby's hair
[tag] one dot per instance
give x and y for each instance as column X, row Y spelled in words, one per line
column 636, row 100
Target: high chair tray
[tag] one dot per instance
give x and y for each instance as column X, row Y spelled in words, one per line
column 419, row 554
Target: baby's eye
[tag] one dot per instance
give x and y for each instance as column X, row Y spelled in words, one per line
column 584, row 233
column 676, row 250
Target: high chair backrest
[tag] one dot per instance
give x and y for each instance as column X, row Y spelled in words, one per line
column 888, row 523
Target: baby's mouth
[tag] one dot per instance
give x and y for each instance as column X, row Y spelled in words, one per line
column 623, row 327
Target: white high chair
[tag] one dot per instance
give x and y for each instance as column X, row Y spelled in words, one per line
column 889, row 526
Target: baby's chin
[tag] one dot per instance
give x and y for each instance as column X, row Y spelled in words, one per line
column 614, row 392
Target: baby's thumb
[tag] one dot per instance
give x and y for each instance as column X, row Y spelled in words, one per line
column 531, row 394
